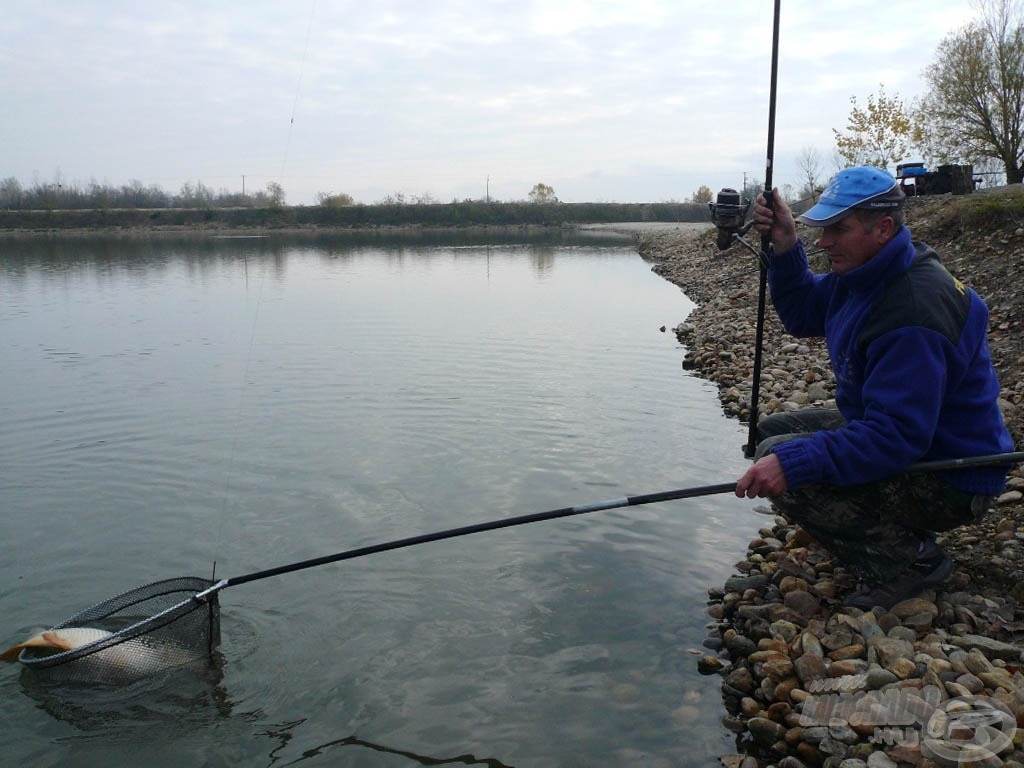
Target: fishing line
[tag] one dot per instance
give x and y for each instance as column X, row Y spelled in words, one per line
column 298, row 90
column 239, row 409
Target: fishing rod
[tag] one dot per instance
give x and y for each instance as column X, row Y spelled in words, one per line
column 552, row 514
column 191, row 625
column 766, row 244
column 729, row 213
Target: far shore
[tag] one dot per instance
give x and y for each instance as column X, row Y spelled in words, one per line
column 633, row 229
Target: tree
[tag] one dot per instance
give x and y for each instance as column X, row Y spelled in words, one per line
column 331, row 200
column 703, row 195
column 878, row 134
column 10, row 193
column 275, row 194
column 542, row 193
column 809, row 162
column 974, row 108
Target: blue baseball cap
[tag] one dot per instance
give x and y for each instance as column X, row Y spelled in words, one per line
column 863, row 187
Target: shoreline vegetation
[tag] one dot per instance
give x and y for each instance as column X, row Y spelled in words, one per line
column 786, row 648
column 272, row 219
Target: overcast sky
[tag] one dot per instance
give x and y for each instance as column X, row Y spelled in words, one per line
column 632, row 101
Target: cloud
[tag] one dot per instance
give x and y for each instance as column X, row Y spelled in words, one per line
column 640, row 100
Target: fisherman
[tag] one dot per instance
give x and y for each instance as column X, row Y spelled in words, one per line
column 914, row 382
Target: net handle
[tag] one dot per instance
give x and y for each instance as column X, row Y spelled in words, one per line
column 627, row 501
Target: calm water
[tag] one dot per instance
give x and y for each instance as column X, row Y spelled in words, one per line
column 167, row 404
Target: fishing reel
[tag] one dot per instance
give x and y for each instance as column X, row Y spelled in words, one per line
column 728, row 214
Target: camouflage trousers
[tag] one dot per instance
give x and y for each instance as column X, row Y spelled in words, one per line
column 875, row 529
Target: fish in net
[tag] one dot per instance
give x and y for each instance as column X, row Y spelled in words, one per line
column 146, row 630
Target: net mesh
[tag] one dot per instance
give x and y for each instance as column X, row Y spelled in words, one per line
column 153, row 628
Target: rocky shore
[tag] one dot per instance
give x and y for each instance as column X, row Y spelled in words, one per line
column 939, row 679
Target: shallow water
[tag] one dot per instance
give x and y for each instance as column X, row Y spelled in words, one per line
column 168, row 404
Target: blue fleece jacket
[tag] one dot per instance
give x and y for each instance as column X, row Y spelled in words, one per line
column 914, row 377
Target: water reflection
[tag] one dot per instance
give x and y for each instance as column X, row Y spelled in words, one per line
column 284, row 733
column 187, row 698
column 104, row 253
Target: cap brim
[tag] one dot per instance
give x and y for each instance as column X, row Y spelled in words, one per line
column 821, row 215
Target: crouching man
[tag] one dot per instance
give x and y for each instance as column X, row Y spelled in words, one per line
column 914, row 382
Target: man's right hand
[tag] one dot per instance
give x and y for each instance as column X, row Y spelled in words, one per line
column 777, row 222
column 765, row 478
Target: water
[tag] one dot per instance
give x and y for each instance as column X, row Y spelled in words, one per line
column 165, row 404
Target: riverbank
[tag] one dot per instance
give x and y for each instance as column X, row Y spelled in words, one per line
column 467, row 213
column 785, row 642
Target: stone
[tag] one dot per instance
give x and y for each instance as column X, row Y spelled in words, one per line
column 811, row 645
column 784, row 690
column 878, row 759
column 814, row 734
column 844, row 734
column 773, row 644
column 855, row 651
column 743, row 583
column 750, row 707
column 792, row 583
column 709, row 665
column 847, row 667
column 879, row 677
column 803, row 603
column 971, row 682
column 741, row 679
column 887, row 649
column 740, row 646
column 902, row 667
column 810, row 667
column 784, row 630
column 991, row 648
column 764, row 731
column 809, row 753
column 778, row 669
column 919, row 622
column 912, row 606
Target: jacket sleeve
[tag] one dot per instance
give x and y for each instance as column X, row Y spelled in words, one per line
column 800, row 297
column 904, row 383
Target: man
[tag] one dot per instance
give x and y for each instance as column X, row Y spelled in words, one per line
column 914, row 382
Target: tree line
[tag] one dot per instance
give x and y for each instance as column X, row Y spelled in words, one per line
column 59, row 195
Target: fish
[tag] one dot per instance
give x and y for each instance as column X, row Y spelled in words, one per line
column 57, row 641
column 121, row 663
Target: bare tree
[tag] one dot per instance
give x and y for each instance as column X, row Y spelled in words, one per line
column 974, row 108
column 809, row 162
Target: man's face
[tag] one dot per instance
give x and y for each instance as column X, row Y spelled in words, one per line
column 851, row 242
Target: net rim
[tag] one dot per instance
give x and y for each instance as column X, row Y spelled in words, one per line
column 117, row 603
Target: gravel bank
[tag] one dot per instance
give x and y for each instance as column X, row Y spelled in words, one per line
column 787, row 650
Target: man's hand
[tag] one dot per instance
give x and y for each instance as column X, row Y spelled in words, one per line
column 764, row 478
column 777, row 222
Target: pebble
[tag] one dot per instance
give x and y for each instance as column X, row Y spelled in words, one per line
column 777, row 675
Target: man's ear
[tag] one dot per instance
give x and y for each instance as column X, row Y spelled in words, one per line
column 886, row 228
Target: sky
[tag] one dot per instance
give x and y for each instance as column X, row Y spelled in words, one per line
column 604, row 101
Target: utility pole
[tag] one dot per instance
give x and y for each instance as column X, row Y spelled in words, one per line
column 243, row 185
